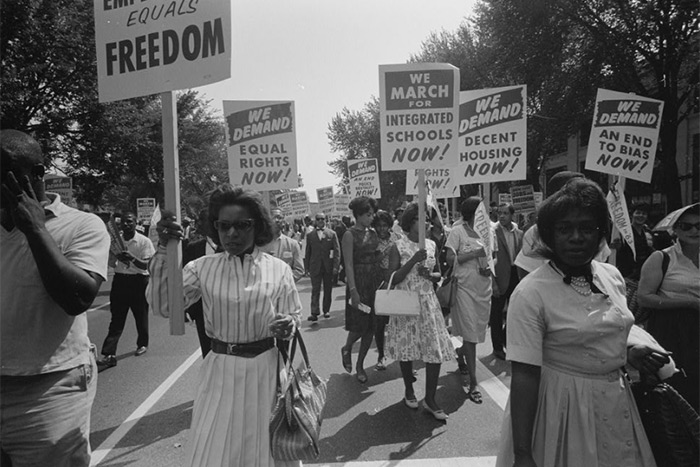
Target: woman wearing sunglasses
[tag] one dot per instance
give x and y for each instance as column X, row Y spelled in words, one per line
column 674, row 300
column 249, row 299
column 568, row 336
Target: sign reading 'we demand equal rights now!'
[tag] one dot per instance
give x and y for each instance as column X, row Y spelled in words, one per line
column 261, row 144
column 161, row 45
column 419, row 112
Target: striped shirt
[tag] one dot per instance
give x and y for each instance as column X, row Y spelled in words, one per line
column 240, row 298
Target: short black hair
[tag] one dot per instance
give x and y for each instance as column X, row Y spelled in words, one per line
column 409, row 216
column 468, row 208
column 577, row 194
column 510, row 207
column 644, row 207
column 382, row 217
column 228, row 195
column 362, row 205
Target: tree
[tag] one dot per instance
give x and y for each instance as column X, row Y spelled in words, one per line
column 113, row 151
column 355, row 135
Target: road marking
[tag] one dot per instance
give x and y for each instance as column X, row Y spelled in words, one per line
column 113, row 439
column 447, row 462
column 98, row 307
column 488, row 381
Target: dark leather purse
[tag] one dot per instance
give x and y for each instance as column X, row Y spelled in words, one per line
column 671, row 424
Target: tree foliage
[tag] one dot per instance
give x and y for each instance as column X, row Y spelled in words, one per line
column 355, row 135
column 113, row 151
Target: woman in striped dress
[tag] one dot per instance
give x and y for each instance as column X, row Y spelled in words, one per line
column 249, row 298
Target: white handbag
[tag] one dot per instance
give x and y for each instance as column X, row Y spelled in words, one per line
column 392, row 302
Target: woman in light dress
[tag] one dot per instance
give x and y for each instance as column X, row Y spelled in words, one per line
column 249, row 298
column 568, row 338
column 470, row 316
column 423, row 337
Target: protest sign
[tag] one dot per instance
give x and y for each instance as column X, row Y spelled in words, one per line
column 419, row 106
column 364, row 178
column 442, row 182
column 523, row 198
column 161, row 45
column 624, row 135
column 492, row 135
column 482, row 226
column 299, row 204
column 617, row 205
column 341, row 205
column 505, row 198
column 326, row 201
column 261, row 144
column 144, row 209
column 63, row 186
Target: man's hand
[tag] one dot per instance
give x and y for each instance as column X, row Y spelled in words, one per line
column 125, row 257
column 645, row 359
column 26, row 210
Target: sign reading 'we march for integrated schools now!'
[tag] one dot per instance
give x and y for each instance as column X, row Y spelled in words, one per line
column 419, row 109
column 261, row 144
column 161, row 45
column 624, row 135
column 364, row 178
column 492, row 135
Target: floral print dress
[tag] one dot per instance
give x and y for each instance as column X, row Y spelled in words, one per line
column 422, row 337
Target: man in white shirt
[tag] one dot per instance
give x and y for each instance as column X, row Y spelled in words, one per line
column 128, row 291
column 284, row 247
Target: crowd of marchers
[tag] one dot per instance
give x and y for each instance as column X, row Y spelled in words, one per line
column 576, row 312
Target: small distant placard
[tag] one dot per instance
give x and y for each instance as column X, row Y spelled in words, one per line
column 364, row 178
column 523, row 198
column 63, row 186
column 144, row 209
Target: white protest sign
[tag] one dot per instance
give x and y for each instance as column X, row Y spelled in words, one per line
column 63, row 186
column 624, row 135
column 299, row 204
column 364, row 178
column 442, row 182
column 285, row 205
column 523, row 198
column 326, row 201
column 144, row 209
column 493, row 135
column 505, row 198
column 482, row 226
column 341, row 205
column 617, row 204
column 261, row 144
column 162, row 45
column 419, row 108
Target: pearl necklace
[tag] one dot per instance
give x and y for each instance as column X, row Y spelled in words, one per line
column 581, row 286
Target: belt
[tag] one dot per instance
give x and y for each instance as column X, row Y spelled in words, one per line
column 247, row 350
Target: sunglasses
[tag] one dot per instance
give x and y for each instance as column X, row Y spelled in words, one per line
column 320, row 218
column 686, row 226
column 241, row 225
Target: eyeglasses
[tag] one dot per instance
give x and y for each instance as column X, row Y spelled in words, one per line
column 686, row 226
column 240, row 226
column 567, row 230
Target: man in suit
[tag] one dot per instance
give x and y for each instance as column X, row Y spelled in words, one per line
column 510, row 241
column 323, row 260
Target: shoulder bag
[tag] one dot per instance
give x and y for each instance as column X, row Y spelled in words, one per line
column 671, row 424
column 392, row 302
column 295, row 424
column 447, row 291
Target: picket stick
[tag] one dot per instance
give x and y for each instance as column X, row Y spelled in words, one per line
column 171, row 178
column 421, row 208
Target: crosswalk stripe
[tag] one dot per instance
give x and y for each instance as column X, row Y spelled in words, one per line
column 493, row 386
column 489, row 461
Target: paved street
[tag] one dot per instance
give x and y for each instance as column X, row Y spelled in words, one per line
column 142, row 411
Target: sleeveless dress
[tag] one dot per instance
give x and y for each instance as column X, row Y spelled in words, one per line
column 365, row 261
column 422, row 337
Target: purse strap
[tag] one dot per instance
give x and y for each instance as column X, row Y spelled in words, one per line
column 289, row 360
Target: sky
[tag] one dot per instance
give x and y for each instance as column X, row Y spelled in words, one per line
column 324, row 56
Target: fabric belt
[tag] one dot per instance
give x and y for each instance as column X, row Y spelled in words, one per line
column 247, row 350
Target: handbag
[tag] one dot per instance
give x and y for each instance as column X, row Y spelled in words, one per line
column 393, row 302
column 447, row 291
column 671, row 424
column 295, row 424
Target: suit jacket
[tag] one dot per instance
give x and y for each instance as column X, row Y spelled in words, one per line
column 322, row 252
column 503, row 262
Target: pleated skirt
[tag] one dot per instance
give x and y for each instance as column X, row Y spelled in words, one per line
column 232, row 408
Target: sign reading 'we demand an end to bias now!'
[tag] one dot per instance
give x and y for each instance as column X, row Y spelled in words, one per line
column 161, row 45
column 261, row 144
column 419, row 109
